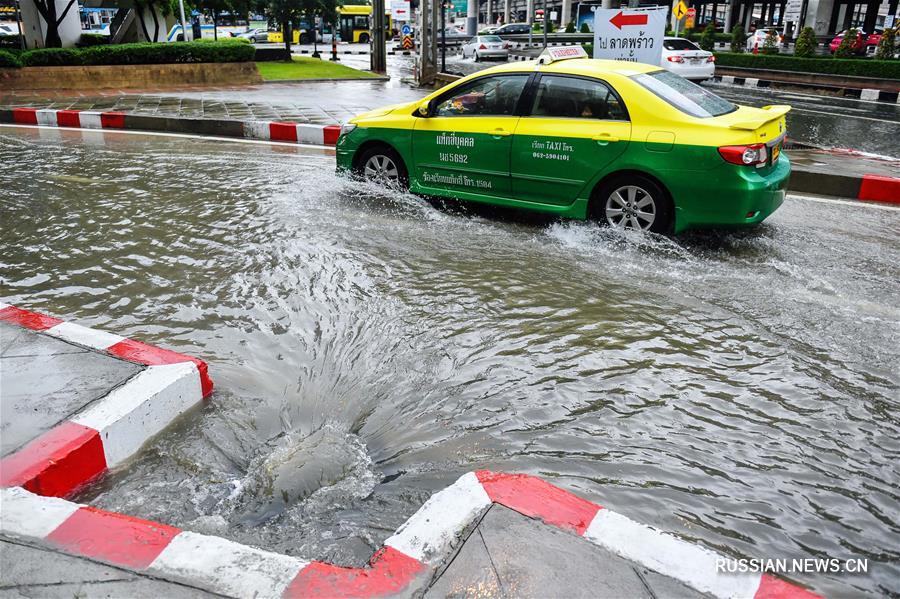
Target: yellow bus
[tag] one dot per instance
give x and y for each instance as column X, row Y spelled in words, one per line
column 353, row 24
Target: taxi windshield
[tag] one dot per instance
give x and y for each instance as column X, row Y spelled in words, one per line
column 685, row 96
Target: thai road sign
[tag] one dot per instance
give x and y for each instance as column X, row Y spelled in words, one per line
column 407, row 42
column 406, row 29
column 689, row 21
column 680, row 11
column 400, row 10
column 630, row 34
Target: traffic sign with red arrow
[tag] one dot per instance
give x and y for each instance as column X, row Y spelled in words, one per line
column 621, row 19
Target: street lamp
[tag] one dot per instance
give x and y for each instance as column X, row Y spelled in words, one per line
column 183, row 22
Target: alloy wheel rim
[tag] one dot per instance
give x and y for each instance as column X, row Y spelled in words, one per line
column 631, row 207
column 381, row 168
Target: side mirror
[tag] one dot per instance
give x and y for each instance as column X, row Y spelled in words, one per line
column 424, row 109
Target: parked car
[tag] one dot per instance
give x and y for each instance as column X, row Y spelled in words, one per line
column 687, row 59
column 257, row 36
column 510, row 28
column 864, row 44
column 486, row 46
column 454, row 34
column 629, row 145
column 757, row 39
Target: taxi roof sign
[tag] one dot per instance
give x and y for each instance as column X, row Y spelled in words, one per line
column 561, row 53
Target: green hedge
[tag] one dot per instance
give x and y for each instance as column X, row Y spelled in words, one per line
column 92, row 39
column 9, row 59
column 143, row 53
column 859, row 67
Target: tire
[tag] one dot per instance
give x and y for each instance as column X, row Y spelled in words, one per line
column 476, row 56
column 304, row 38
column 364, row 38
column 633, row 202
column 382, row 164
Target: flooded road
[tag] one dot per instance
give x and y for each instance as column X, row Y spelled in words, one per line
column 739, row 389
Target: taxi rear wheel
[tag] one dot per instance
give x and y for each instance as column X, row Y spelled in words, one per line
column 634, row 202
column 383, row 165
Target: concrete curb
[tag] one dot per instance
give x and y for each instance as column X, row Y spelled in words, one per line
column 113, row 428
column 876, row 95
column 414, row 553
column 865, row 187
column 268, row 130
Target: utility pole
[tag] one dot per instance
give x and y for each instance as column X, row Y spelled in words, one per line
column 546, row 22
column 444, row 35
column 472, row 17
column 378, row 52
column 334, row 25
column 184, row 34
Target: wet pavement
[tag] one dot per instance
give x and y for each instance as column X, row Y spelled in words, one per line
column 46, row 380
column 508, row 555
column 30, row 572
column 386, row 345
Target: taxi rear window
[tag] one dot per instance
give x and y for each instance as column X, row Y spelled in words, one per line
column 685, row 96
column 679, row 44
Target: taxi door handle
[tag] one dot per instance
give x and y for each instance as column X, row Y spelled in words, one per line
column 500, row 133
column 604, row 138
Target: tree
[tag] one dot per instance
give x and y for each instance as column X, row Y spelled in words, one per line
column 585, row 28
column 805, row 47
column 708, row 38
column 845, row 48
column 570, row 28
column 47, row 10
column 286, row 13
column 738, row 39
column 769, row 46
column 887, row 47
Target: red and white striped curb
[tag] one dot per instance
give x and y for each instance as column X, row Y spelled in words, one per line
column 413, row 554
column 79, row 119
column 877, row 188
column 323, row 135
column 113, row 428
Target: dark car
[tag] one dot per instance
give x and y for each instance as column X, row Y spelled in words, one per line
column 511, row 28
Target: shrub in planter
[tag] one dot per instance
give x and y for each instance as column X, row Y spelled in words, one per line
column 769, row 46
column 845, row 48
column 880, row 69
column 52, row 57
column 570, row 28
column 585, row 28
column 887, row 47
column 9, row 60
column 708, row 39
column 92, row 39
column 589, row 48
column 738, row 39
column 805, row 47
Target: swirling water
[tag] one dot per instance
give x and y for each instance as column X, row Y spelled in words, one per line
column 737, row 388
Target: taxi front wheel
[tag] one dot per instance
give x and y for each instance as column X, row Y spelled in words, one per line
column 382, row 165
column 633, row 202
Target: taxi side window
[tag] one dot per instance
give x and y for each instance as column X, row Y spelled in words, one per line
column 489, row 96
column 570, row 97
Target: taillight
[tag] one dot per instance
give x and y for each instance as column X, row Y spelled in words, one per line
column 752, row 155
column 482, row 47
column 505, row 45
column 675, row 58
column 711, row 59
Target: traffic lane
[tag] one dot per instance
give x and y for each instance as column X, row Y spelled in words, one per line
column 828, row 121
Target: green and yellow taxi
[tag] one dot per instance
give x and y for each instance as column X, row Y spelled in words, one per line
column 627, row 144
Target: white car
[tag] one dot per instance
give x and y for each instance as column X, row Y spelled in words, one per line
column 757, row 39
column 685, row 58
column 486, row 46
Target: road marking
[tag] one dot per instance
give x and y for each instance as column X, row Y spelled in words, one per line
column 857, row 203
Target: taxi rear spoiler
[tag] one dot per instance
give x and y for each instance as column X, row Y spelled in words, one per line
column 774, row 112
